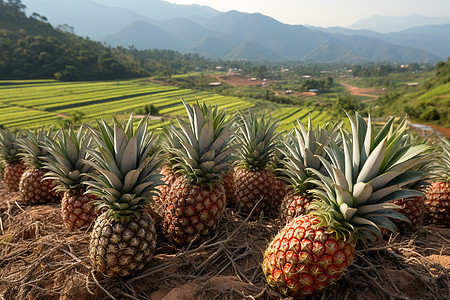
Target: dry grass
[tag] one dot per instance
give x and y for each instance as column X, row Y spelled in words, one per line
column 40, row 260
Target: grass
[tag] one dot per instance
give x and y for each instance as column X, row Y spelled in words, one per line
column 36, row 103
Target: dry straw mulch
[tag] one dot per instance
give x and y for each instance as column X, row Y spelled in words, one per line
column 39, row 259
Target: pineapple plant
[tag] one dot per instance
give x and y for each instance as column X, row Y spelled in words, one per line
column 13, row 167
column 351, row 203
column 123, row 237
column 253, row 179
column 302, row 151
column 437, row 202
column 169, row 141
column 33, row 188
column 197, row 200
column 67, row 168
column 280, row 183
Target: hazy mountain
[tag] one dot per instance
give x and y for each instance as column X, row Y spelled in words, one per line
column 230, row 35
column 386, row 24
column 105, row 17
column 160, row 10
column 430, row 38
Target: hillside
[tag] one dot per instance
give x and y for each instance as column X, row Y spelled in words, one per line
column 428, row 103
column 32, row 48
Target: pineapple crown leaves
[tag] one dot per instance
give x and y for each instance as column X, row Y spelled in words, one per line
column 257, row 141
column 302, row 151
column 9, row 149
column 124, row 176
column 364, row 177
column 34, row 148
column 441, row 166
column 206, row 151
column 66, row 164
column 169, row 141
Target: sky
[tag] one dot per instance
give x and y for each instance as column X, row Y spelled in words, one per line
column 328, row 13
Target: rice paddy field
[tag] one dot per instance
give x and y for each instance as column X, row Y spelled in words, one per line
column 37, row 103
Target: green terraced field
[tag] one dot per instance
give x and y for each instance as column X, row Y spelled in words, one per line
column 36, row 103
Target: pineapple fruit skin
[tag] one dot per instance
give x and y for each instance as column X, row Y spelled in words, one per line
column 251, row 186
column 122, row 249
column 12, row 174
column 413, row 209
column 279, row 191
column 437, row 204
column 303, row 259
column 169, row 178
column 34, row 190
column 192, row 210
column 293, row 205
column 78, row 210
column 229, row 185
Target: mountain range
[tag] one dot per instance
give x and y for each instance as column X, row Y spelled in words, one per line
column 233, row 35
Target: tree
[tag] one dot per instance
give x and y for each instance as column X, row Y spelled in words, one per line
column 347, row 102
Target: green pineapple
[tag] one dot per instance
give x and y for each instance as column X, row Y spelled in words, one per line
column 124, row 180
column 33, row 188
column 13, row 167
column 353, row 203
column 196, row 201
column 67, row 167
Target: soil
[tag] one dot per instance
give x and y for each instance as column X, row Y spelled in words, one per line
column 371, row 93
column 240, row 80
column 39, row 259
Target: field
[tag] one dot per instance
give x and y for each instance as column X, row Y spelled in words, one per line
column 39, row 259
column 36, row 103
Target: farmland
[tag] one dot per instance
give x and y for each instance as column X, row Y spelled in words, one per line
column 36, row 103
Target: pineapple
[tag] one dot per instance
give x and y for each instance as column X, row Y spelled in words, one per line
column 303, row 151
column 197, row 200
column 280, row 184
column 123, row 237
column 33, row 188
column 67, row 167
column 437, row 203
column 9, row 157
column 169, row 141
column 253, row 179
column 352, row 204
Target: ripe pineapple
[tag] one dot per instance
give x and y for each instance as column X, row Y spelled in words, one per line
column 252, row 176
column 169, row 141
column 352, row 204
column 196, row 201
column 437, row 203
column 66, row 166
column 33, row 188
column 302, row 151
column 280, row 183
column 125, row 179
column 9, row 157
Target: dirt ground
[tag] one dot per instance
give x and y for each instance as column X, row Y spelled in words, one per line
column 39, row 259
column 239, row 80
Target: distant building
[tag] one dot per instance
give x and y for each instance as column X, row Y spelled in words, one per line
column 215, row 83
column 313, row 90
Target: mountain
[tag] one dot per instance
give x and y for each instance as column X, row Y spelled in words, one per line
column 161, row 10
column 231, row 35
column 32, row 48
column 431, row 38
column 386, row 24
column 99, row 18
column 236, row 35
